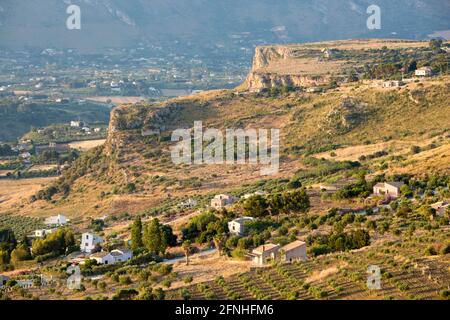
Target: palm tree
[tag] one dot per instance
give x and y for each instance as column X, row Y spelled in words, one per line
column 218, row 242
column 187, row 247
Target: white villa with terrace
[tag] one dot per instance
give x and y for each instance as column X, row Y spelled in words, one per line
column 115, row 256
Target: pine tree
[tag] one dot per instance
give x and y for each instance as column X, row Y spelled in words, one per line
column 136, row 234
column 152, row 236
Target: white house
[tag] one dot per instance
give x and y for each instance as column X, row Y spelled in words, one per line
column 58, row 220
column 121, row 255
column 294, row 251
column 76, row 124
column 328, row 53
column 103, row 257
column 388, row 189
column 264, row 253
column 25, row 155
column 237, row 226
column 40, row 233
column 116, row 255
column 392, row 84
column 222, row 200
column 89, row 242
column 424, row 72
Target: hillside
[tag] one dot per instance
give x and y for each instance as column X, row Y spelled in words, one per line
column 18, row 117
column 28, row 24
column 133, row 172
column 357, row 207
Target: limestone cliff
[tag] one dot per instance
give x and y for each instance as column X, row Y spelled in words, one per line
column 266, row 72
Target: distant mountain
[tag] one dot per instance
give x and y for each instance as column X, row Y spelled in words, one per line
column 119, row 23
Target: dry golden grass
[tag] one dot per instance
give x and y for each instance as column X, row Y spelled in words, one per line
column 116, row 100
column 15, row 193
column 43, row 167
column 207, row 268
column 86, row 145
column 5, row 172
column 431, row 161
column 363, row 44
column 394, row 147
column 302, row 66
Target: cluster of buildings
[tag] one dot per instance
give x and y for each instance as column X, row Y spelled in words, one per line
column 392, row 190
column 45, row 280
column 84, row 127
column 223, row 200
column 420, row 72
column 52, row 223
column 91, row 244
column 294, row 251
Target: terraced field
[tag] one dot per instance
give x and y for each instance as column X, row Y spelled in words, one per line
column 405, row 274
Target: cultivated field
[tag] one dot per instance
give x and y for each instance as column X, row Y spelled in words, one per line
column 405, row 274
column 86, row 145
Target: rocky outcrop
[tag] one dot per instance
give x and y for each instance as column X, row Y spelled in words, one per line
column 344, row 117
column 259, row 78
column 265, row 55
column 257, row 81
column 137, row 120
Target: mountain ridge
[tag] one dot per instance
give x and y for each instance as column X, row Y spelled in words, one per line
column 26, row 24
